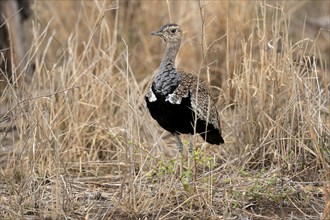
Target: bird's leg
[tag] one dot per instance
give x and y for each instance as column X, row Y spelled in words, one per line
column 191, row 143
column 190, row 149
column 179, row 146
column 178, row 142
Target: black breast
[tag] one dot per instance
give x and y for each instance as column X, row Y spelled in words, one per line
column 180, row 119
column 175, row 118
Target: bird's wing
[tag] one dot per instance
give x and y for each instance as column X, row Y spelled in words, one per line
column 201, row 101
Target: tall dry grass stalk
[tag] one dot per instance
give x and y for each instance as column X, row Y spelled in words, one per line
column 82, row 144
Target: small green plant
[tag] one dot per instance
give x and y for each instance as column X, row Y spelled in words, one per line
column 186, row 178
column 201, row 159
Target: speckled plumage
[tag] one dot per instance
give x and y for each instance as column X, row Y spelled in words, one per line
column 178, row 101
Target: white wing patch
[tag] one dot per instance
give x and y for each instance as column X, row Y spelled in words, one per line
column 172, row 98
column 176, row 99
column 151, row 96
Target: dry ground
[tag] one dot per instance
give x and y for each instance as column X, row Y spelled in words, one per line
column 78, row 142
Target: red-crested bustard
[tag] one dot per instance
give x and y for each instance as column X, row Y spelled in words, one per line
column 179, row 101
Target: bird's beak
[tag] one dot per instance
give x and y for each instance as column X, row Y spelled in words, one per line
column 157, row 33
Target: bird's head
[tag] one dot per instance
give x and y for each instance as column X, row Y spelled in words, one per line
column 170, row 33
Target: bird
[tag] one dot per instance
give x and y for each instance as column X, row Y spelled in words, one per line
column 179, row 101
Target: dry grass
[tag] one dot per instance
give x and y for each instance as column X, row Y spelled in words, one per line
column 79, row 143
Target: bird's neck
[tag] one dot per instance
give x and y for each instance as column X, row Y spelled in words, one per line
column 168, row 78
column 170, row 54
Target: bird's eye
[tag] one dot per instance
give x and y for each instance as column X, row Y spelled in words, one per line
column 173, row 31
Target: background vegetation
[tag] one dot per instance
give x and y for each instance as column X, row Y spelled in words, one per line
column 79, row 143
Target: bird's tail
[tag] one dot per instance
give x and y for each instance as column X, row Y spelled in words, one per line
column 212, row 135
